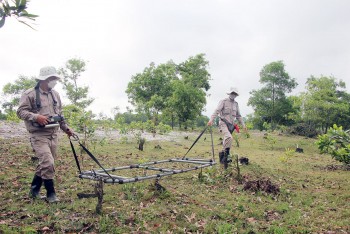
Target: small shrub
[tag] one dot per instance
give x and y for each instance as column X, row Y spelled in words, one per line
column 336, row 143
column 303, row 129
column 288, row 154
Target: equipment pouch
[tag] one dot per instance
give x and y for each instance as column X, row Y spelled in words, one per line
column 230, row 127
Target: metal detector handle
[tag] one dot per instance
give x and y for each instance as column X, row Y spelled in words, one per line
column 74, row 136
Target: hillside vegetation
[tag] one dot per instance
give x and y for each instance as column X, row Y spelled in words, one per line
column 311, row 192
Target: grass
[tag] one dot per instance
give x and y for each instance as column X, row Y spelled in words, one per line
column 311, row 199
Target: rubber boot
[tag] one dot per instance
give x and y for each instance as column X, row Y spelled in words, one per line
column 35, row 187
column 228, row 156
column 50, row 191
column 221, row 157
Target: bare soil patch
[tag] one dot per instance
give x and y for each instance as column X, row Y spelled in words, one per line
column 18, row 130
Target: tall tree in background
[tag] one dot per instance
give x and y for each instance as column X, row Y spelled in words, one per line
column 325, row 103
column 150, row 90
column 12, row 93
column 271, row 101
column 189, row 97
column 175, row 91
column 76, row 114
column 78, row 95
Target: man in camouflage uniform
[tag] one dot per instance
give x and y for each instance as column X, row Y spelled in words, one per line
column 228, row 111
column 36, row 107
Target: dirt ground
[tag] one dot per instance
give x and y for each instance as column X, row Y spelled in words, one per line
column 18, row 130
column 12, row 130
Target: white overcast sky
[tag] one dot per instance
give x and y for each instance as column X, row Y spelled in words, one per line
column 118, row 39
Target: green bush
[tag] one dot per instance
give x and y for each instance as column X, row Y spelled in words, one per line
column 336, row 143
column 302, row 129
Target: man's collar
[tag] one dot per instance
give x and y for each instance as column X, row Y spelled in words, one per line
column 44, row 92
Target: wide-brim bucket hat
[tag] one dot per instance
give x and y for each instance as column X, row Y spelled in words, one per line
column 233, row 90
column 46, row 72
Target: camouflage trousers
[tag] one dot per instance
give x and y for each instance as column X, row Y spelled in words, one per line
column 45, row 148
column 227, row 141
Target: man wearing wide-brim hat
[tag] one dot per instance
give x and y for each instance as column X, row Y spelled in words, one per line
column 41, row 109
column 228, row 111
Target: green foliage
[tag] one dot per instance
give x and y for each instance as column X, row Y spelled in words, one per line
column 175, row 91
column 288, row 154
column 303, row 129
column 270, row 140
column 81, row 121
column 218, row 204
column 18, row 11
column 150, row 90
column 12, row 92
column 266, row 126
column 187, row 102
column 2, row 116
column 12, row 116
column 270, row 102
column 78, row 95
column 121, row 125
column 163, row 128
column 336, row 143
column 324, row 101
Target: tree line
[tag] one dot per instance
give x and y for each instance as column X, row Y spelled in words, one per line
column 176, row 94
column 323, row 103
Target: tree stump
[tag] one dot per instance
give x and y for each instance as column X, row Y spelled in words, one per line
column 141, row 143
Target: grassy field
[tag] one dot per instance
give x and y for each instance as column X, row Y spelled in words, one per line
column 313, row 197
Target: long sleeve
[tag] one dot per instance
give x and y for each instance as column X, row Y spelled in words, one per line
column 25, row 108
column 217, row 110
column 63, row 124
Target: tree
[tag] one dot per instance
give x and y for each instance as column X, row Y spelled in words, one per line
column 194, row 72
column 343, row 118
column 189, row 97
column 18, row 10
column 12, row 92
column 175, row 91
column 271, row 102
column 325, row 103
column 187, row 102
column 71, row 73
column 149, row 91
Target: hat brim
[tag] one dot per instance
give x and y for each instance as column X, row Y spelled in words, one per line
column 233, row 92
column 45, row 77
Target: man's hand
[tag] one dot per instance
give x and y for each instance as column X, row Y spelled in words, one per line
column 210, row 123
column 42, row 120
column 69, row 132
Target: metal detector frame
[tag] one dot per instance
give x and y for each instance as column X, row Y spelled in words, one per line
column 106, row 177
column 115, row 179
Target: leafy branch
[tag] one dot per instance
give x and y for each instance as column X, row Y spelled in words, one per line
column 17, row 9
column 336, row 143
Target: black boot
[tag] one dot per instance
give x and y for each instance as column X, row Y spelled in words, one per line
column 221, row 157
column 50, row 191
column 228, row 156
column 35, row 187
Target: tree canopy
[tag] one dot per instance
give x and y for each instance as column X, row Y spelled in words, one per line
column 12, row 92
column 325, row 102
column 177, row 91
column 270, row 103
column 78, row 95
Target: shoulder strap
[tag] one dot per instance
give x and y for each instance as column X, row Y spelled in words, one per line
column 53, row 98
column 38, row 101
